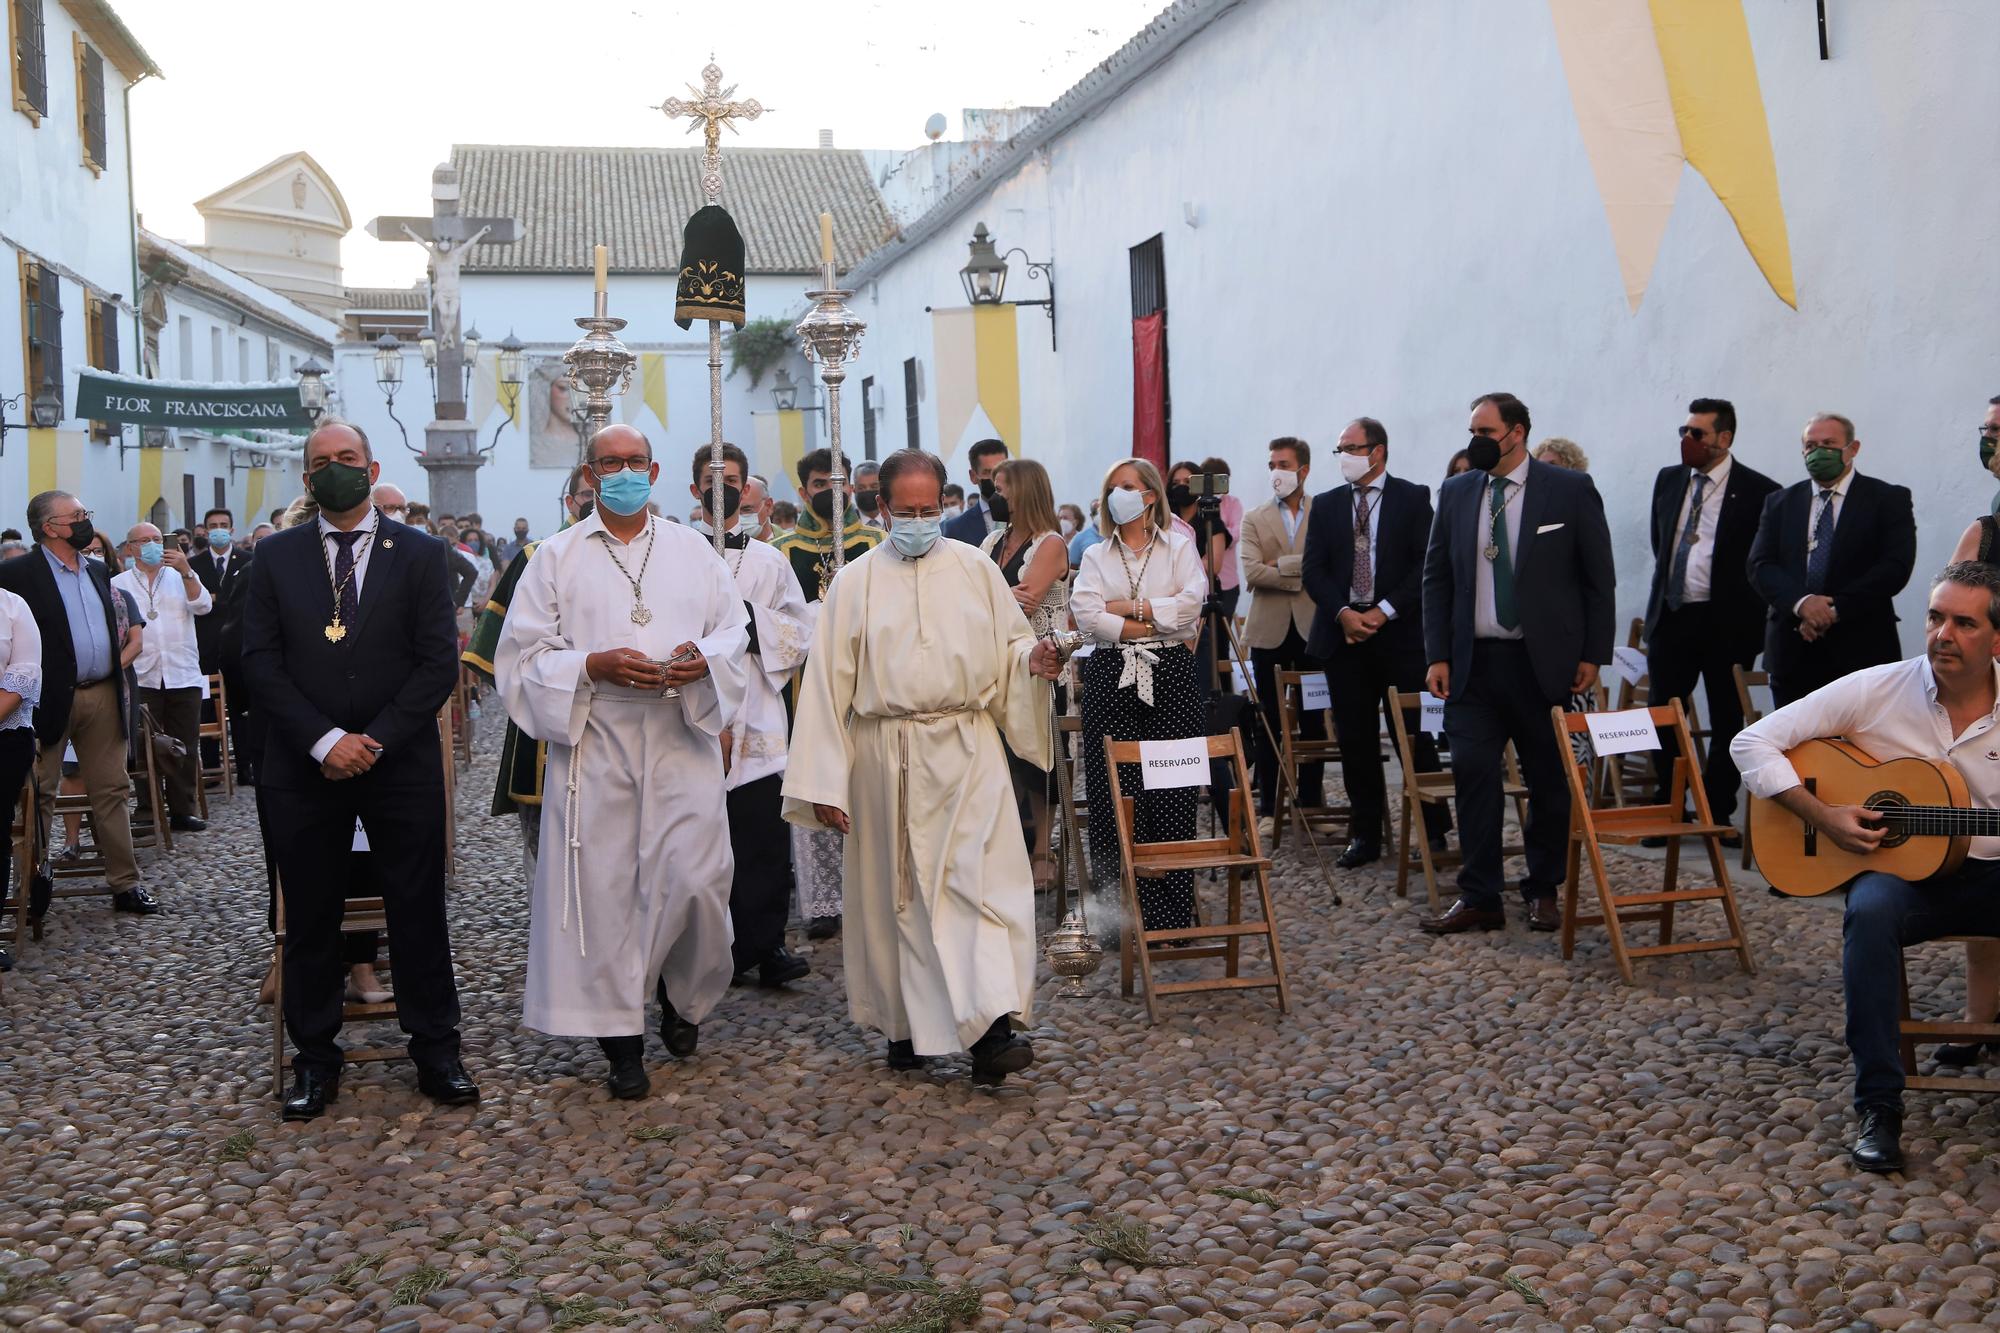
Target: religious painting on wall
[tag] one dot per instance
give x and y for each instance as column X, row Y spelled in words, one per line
column 553, row 441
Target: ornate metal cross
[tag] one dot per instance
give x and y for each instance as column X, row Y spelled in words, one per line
column 710, row 110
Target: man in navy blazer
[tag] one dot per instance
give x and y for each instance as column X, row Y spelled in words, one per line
column 971, row 526
column 1368, row 619
column 1831, row 554
column 351, row 647
column 1518, row 611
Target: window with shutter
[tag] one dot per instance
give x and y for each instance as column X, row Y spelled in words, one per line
column 43, row 291
column 101, row 349
column 868, row 418
column 910, row 429
column 31, row 63
column 90, row 104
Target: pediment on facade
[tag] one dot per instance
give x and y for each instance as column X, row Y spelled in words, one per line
column 293, row 189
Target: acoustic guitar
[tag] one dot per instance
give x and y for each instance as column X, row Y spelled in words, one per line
column 1924, row 807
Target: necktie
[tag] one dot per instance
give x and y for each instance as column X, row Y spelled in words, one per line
column 1362, row 583
column 1677, row 579
column 1503, row 560
column 343, row 575
column 1821, row 549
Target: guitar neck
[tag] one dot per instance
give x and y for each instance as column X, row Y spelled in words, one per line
column 1941, row 821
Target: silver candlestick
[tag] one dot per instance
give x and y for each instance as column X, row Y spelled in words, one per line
column 601, row 367
column 830, row 334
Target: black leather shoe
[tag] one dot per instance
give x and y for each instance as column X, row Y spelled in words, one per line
column 903, row 1055
column 681, row 1036
column 137, row 901
column 774, row 970
column 823, row 928
column 1879, row 1146
column 312, row 1091
column 1544, row 914
column 1460, row 917
column 1002, row 1051
column 1359, row 852
column 448, row 1085
column 187, row 824
column 1957, row 1055
column 627, row 1081
column 6, row 961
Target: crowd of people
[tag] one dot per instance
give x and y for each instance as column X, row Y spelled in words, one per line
column 850, row 714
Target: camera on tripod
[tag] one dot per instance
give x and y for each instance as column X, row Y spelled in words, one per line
column 1209, row 487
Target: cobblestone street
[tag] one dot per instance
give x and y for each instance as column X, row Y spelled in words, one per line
column 1443, row 1134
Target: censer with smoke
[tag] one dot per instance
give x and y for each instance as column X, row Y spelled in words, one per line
column 1071, row 949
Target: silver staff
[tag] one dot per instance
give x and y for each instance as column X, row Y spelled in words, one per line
column 830, row 334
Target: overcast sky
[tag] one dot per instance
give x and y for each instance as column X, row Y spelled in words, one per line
column 378, row 93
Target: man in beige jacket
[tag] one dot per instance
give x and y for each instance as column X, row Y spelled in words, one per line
column 1281, row 612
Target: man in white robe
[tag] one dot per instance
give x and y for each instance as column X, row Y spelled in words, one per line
column 753, row 744
column 631, row 892
column 922, row 659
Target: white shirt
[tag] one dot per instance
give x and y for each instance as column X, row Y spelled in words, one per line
column 362, row 551
column 1485, row 620
column 1374, row 489
column 1292, row 517
column 1890, row 711
column 1701, row 556
column 169, row 658
column 20, row 660
column 1174, row 582
column 1812, row 520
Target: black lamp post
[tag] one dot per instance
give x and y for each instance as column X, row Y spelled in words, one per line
column 44, row 410
column 985, row 276
column 389, row 376
column 312, row 388
column 510, row 377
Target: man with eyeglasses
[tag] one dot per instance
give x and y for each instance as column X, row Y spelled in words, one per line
column 1703, row 617
column 624, row 651
column 83, row 625
column 922, row 660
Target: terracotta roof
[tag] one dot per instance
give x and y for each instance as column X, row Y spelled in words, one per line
column 389, row 298
column 636, row 200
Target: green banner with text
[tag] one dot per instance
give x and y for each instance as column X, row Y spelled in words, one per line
column 196, row 407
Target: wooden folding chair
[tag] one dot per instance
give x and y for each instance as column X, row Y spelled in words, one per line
column 145, row 778
column 222, row 773
column 1237, row 853
column 1925, row 1032
column 1592, row 826
column 1295, row 751
column 21, row 839
column 1746, row 681
column 1440, row 788
column 361, row 914
column 461, row 715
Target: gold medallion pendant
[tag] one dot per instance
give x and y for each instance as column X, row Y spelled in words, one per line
column 336, row 632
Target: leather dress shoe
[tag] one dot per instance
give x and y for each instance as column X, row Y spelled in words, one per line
column 137, row 901
column 1544, row 914
column 1879, row 1146
column 627, row 1055
column 903, row 1055
column 6, row 961
column 1002, row 1051
column 448, row 1085
column 312, row 1091
column 187, row 824
column 774, row 970
column 823, row 928
column 680, row 1036
column 1359, row 852
column 1959, row 1055
column 1462, row 916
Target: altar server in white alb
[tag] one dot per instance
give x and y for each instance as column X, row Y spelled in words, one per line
column 632, row 888
column 921, row 660
column 753, row 744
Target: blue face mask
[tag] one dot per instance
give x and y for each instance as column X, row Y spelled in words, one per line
column 625, row 491
column 218, row 538
column 914, row 536
column 151, row 553
column 129, row 561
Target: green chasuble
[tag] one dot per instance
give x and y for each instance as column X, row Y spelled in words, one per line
column 522, row 758
column 809, row 547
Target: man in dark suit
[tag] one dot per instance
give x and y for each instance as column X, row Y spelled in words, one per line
column 1830, row 555
column 972, row 526
column 351, row 647
column 84, row 701
column 1518, row 609
column 225, row 572
column 1703, row 619
column 1364, row 566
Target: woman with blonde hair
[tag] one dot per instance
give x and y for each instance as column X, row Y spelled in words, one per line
column 1558, row 452
column 1138, row 596
column 1034, row 559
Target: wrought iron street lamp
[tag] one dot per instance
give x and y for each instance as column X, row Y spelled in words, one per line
column 389, row 375
column 44, row 410
column 985, row 276
column 510, row 378
column 312, row 388
column 784, row 393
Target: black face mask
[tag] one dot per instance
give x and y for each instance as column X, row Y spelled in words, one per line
column 81, row 534
column 996, row 504
column 822, row 504
column 1483, row 453
column 584, row 504
column 986, row 489
column 732, row 497
column 868, row 501
column 1179, row 497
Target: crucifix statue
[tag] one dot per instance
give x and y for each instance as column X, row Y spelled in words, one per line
column 451, row 453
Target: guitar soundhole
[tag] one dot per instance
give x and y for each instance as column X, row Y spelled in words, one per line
column 1898, row 833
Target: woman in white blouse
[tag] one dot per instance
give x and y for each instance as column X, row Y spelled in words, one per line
column 1138, row 596
column 20, row 691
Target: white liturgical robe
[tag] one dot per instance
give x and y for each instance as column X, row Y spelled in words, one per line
column 782, row 623
column 633, row 880
column 917, row 668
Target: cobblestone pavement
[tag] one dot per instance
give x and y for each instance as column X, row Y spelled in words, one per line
column 1442, row 1134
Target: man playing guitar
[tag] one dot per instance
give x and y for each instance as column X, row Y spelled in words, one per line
column 1943, row 704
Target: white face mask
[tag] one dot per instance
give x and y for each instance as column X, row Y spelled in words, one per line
column 1126, row 504
column 1068, row 526
column 1283, row 483
column 1354, row 467
column 952, row 511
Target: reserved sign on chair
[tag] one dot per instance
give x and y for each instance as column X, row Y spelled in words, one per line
column 1314, row 695
column 1621, row 733
column 1174, row 763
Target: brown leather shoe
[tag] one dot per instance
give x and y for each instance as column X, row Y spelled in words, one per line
column 1544, row 914
column 1460, row 917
